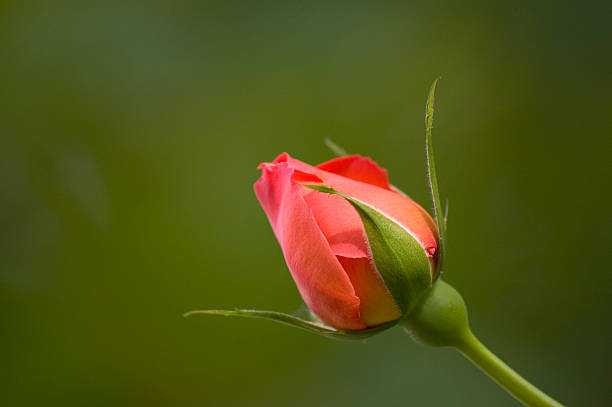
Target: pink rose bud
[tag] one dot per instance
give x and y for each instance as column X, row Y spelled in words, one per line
column 360, row 253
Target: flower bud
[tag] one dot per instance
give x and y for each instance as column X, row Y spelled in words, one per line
column 360, row 253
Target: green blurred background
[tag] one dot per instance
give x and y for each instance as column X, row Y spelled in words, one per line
column 130, row 135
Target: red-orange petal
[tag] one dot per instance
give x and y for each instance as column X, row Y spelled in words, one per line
column 377, row 305
column 401, row 208
column 358, row 168
column 319, row 276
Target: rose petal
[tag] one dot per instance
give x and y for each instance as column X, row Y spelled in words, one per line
column 320, row 278
column 340, row 224
column 377, row 304
column 358, row 168
column 401, row 208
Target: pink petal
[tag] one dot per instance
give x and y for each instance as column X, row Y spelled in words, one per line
column 377, row 304
column 320, row 278
column 340, row 224
column 402, row 209
column 358, row 168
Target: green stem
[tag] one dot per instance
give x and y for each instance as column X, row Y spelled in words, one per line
column 503, row 374
column 441, row 320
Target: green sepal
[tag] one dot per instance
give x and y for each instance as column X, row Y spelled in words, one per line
column 335, row 148
column 313, row 326
column 399, row 258
column 432, row 177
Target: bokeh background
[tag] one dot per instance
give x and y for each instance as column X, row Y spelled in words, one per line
column 130, row 135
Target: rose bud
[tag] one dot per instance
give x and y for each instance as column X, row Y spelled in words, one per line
column 361, row 253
